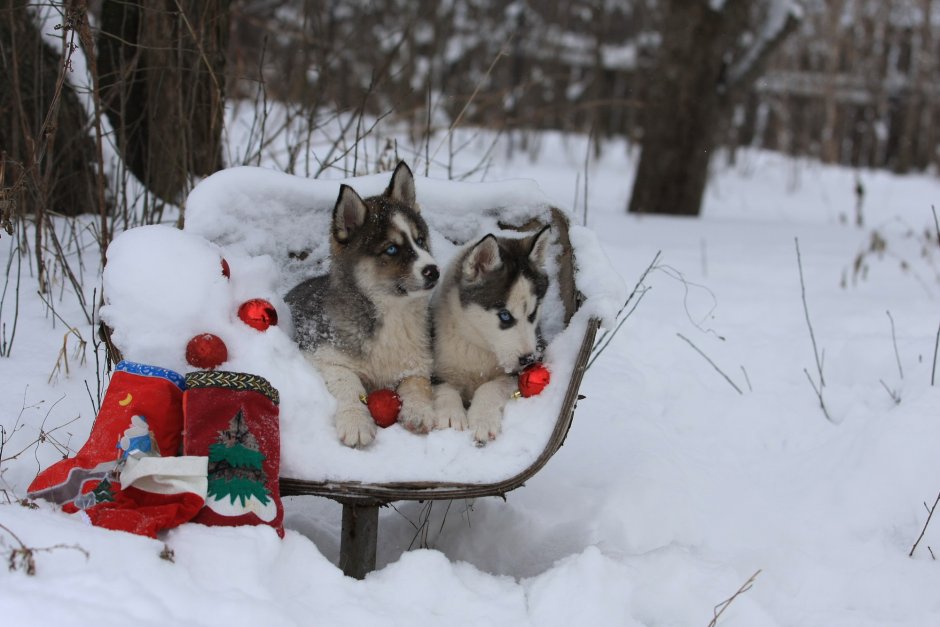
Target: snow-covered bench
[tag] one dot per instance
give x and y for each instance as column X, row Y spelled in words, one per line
column 256, row 214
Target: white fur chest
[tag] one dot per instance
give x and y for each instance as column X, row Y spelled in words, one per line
column 464, row 363
column 400, row 347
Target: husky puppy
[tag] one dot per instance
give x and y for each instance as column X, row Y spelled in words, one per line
column 486, row 318
column 365, row 324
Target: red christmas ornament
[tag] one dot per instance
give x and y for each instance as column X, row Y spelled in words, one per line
column 226, row 272
column 384, row 406
column 258, row 314
column 206, row 351
column 533, row 380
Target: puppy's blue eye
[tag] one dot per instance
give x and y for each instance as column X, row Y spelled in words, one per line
column 420, row 242
column 504, row 315
column 392, row 250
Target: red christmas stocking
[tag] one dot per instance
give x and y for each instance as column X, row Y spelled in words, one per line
column 154, row 493
column 233, row 419
column 141, row 411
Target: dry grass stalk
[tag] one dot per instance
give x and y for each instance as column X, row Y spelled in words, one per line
column 721, row 607
column 812, row 336
column 930, row 512
column 717, row 369
column 23, row 557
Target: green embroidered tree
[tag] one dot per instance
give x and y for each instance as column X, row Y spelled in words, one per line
column 104, row 491
column 235, row 465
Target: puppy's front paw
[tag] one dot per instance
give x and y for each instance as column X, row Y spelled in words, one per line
column 354, row 425
column 416, row 415
column 485, row 420
column 449, row 411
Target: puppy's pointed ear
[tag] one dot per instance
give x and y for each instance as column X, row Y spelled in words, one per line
column 539, row 247
column 402, row 186
column 482, row 258
column 349, row 214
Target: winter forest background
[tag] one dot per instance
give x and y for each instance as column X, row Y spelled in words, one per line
column 847, row 82
column 757, row 445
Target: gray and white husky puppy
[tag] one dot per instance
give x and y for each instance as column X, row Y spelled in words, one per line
column 486, row 319
column 365, row 324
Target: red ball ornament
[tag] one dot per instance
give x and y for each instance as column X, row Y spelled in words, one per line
column 384, row 406
column 533, row 380
column 258, row 314
column 206, row 351
column 226, row 272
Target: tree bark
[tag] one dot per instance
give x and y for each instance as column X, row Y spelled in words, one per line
column 682, row 112
column 162, row 67
column 694, row 83
column 49, row 168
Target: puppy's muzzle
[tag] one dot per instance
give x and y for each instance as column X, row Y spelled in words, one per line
column 527, row 360
column 431, row 274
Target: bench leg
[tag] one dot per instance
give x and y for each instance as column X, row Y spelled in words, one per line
column 359, row 538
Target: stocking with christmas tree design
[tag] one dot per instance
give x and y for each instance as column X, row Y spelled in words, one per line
column 141, row 413
column 232, row 418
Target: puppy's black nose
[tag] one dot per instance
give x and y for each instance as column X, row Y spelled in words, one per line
column 525, row 360
column 431, row 274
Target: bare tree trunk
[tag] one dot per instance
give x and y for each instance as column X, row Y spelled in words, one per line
column 692, row 93
column 911, row 151
column 681, row 112
column 55, row 162
column 163, row 84
column 830, row 143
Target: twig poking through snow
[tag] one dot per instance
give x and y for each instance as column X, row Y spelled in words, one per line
column 894, row 340
column 721, row 607
column 677, row 275
column 699, row 351
column 587, row 163
column 933, row 371
column 894, row 395
column 704, row 247
column 608, row 335
column 924, row 530
column 24, row 557
column 812, row 336
column 747, row 380
column 936, row 223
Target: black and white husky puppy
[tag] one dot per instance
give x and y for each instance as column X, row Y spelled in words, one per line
column 486, row 319
column 365, row 324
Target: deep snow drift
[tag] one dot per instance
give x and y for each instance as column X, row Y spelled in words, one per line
column 672, row 489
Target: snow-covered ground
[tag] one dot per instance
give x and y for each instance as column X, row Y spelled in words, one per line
column 672, row 490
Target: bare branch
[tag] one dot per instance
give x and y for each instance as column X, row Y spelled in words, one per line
column 809, row 324
column 894, row 395
column 924, row 530
column 894, row 340
column 936, row 223
column 699, row 351
column 608, row 335
column 721, row 607
column 499, row 55
column 24, row 557
column 812, row 336
column 822, row 403
column 933, row 371
column 746, row 69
